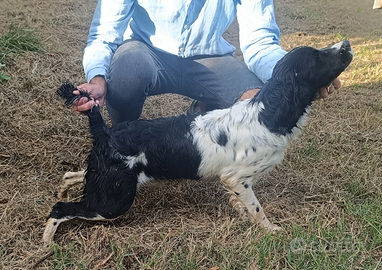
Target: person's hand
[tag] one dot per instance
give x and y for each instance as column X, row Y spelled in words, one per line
column 97, row 91
column 326, row 91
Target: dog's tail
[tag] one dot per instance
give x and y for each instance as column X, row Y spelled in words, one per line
column 98, row 127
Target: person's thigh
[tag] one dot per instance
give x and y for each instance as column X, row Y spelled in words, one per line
column 136, row 70
column 218, row 81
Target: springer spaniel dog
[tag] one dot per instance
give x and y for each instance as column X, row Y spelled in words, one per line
column 237, row 144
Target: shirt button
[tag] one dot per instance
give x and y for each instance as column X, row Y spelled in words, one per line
column 181, row 49
column 185, row 27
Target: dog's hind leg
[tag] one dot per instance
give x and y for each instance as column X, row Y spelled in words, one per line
column 68, row 180
column 241, row 189
column 63, row 211
column 107, row 196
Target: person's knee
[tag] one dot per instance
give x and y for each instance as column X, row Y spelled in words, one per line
column 132, row 73
column 132, row 67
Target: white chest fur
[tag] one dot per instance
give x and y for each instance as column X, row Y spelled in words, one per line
column 233, row 143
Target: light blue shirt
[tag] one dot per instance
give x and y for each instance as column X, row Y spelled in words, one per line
column 184, row 28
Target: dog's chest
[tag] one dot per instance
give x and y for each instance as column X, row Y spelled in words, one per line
column 241, row 147
column 242, row 162
column 264, row 159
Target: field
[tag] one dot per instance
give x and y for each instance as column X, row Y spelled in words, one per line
column 326, row 195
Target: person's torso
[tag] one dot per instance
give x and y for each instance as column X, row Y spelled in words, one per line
column 184, row 27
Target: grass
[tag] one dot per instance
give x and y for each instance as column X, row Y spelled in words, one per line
column 328, row 248
column 369, row 213
column 368, row 65
column 335, row 248
column 326, row 195
column 15, row 42
column 314, row 245
column 62, row 257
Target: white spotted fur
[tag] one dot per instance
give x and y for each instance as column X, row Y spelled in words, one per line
column 251, row 143
column 251, row 150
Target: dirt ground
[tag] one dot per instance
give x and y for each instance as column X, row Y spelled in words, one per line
column 40, row 140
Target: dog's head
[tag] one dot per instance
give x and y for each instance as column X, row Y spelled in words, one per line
column 296, row 81
column 313, row 68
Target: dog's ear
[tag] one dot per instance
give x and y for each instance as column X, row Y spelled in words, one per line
column 66, row 92
column 284, row 105
column 299, row 65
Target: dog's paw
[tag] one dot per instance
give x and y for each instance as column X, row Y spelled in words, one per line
column 62, row 194
column 272, row 228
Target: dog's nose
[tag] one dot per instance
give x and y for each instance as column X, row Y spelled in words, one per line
column 346, row 47
column 342, row 47
column 345, row 44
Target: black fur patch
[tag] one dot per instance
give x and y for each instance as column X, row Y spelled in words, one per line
column 222, row 138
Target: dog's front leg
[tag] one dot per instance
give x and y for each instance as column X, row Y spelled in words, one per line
column 242, row 196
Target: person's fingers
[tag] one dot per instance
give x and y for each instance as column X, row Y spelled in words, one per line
column 81, row 101
column 81, row 108
column 82, row 86
column 330, row 89
column 324, row 92
column 249, row 93
column 96, row 93
column 333, row 86
column 100, row 101
column 336, row 83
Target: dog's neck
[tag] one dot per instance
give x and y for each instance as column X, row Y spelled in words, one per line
column 285, row 107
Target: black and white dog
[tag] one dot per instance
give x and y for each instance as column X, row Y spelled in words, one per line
column 237, row 144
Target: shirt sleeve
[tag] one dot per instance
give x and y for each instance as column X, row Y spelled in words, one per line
column 109, row 23
column 259, row 36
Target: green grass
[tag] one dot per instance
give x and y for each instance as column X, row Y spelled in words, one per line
column 369, row 212
column 15, row 42
column 63, row 257
column 333, row 247
column 367, row 65
column 312, row 150
column 340, row 36
column 312, row 246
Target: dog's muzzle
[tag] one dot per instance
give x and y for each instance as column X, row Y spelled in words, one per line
column 342, row 48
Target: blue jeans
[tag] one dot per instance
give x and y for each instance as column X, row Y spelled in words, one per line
column 138, row 70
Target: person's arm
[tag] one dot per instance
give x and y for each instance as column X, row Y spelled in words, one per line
column 260, row 40
column 109, row 23
column 259, row 36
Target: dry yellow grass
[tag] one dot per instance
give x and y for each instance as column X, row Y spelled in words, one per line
column 327, row 188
